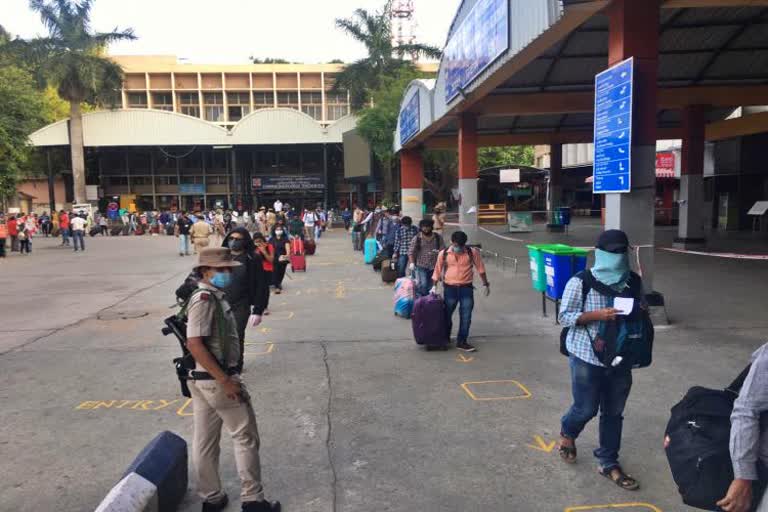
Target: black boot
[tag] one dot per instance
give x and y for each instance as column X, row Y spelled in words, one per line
column 216, row 507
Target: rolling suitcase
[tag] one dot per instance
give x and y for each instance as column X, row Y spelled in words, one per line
column 378, row 261
column 404, row 296
column 94, row 231
column 310, row 247
column 429, row 323
column 298, row 263
column 139, row 231
column 370, row 250
column 388, row 271
column 115, row 231
column 297, row 247
column 125, row 230
column 169, row 229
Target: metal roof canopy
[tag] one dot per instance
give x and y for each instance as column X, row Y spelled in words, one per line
column 711, row 52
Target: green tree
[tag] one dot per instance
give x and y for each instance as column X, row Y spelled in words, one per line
column 374, row 31
column 505, row 155
column 23, row 112
column 72, row 59
column 268, row 60
column 377, row 123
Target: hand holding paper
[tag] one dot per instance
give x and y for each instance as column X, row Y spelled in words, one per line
column 624, row 305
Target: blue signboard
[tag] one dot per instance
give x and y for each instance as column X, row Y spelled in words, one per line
column 191, row 188
column 480, row 39
column 613, row 129
column 409, row 119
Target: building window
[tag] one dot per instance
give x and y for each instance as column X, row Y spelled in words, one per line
column 137, row 100
column 167, row 180
column 216, row 180
column 336, row 105
column 238, row 105
column 213, row 106
column 187, row 180
column 141, row 180
column 288, row 100
column 263, row 100
column 162, row 101
column 312, row 104
column 189, row 104
column 118, row 180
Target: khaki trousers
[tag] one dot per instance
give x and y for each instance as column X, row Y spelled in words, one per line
column 200, row 244
column 212, row 410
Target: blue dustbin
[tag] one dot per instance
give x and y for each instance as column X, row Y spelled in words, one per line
column 565, row 215
column 560, row 264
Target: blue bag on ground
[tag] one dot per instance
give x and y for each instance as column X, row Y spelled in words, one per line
column 371, row 248
column 405, row 290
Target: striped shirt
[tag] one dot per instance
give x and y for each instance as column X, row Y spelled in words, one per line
column 403, row 238
column 578, row 341
column 749, row 421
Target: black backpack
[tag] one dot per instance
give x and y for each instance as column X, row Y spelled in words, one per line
column 699, row 431
column 184, row 292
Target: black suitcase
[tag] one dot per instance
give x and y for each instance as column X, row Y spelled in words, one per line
column 697, row 445
column 378, row 261
column 388, row 271
column 95, row 231
column 116, row 231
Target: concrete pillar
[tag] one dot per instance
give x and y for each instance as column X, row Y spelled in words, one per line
column 690, row 231
column 468, row 169
column 412, row 183
column 555, row 192
column 634, row 32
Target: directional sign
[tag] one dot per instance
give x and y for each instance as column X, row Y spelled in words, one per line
column 613, row 129
column 409, row 119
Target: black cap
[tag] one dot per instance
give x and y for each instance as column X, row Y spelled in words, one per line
column 613, row 240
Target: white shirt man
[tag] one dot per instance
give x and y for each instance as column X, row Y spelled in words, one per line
column 77, row 224
column 278, row 206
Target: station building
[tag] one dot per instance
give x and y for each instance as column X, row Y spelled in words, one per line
column 192, row 136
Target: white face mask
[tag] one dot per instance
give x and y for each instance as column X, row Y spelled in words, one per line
column 279, row 232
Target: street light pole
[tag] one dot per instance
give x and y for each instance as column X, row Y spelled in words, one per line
column 51, row 191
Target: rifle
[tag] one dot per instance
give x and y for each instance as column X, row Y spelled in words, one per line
column 185, row 363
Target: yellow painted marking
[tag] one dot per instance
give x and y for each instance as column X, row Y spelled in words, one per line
column 340, row 290
column 265, row 330
column 644, row 506
column 542, row 445
column 269, row 347
column 136, row 405
column 182, row 410
column 467, row 387
column 464, row 359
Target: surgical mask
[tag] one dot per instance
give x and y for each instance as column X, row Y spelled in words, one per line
column 236, row 244
column 221, row 279
column 456, row 248
column 279, row 232
column 611, row 268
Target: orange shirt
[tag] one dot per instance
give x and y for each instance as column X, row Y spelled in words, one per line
column 459, row 267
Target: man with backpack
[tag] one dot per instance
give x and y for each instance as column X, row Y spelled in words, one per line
column 455, row 269
column 749, row 437
column 386, row 230
column 219, row 397
column 600, row 379
column 422, row 256
column 404, row 236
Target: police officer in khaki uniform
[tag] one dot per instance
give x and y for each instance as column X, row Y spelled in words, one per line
column 219, row 397
column 200, row 233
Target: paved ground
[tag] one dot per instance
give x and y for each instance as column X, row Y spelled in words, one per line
column 353, row 416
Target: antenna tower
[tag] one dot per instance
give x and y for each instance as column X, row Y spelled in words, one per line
column 403, row 24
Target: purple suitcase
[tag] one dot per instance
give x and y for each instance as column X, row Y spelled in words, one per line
column 430, row 327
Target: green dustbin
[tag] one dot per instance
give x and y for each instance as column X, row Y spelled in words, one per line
column 536, row 262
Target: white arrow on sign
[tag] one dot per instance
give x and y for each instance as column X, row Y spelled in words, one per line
column 623, row 104
column 623, row 74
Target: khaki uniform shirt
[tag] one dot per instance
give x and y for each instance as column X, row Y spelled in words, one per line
column 202, row 322
column 200, row 230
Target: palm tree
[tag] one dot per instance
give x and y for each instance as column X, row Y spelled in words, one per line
column 72, row 58
column 374, row 30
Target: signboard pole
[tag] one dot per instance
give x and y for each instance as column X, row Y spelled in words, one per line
column 632, row 210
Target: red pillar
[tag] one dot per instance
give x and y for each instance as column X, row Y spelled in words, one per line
column 468, row 168
column 633, row 31
column 412, row 182
column 690, row 230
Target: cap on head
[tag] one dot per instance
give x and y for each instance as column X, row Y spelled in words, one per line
column 216, row 257
column 613, row 240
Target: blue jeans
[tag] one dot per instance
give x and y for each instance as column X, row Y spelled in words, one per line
column 464, row 297
column 77, row 236
column 402, row 265
column 423, row 281
column 64, row 236
column 184, row 244
column 600, row 389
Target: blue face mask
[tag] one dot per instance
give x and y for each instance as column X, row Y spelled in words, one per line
column 221, row 279
column 611, row 268
column 456, row 248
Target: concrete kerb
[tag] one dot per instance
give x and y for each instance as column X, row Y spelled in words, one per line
column 156, row 481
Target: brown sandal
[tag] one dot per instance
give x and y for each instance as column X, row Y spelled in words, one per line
column 622, row 479
column 567, row 453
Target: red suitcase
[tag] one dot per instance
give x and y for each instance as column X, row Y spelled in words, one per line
column 297, row 246
column 298, row 263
